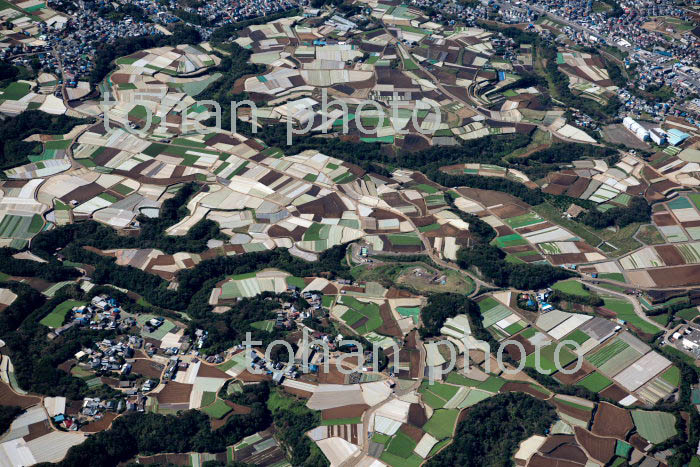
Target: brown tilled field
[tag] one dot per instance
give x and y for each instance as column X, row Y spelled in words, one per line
column 566, row 409
column 389, row 325
column 416, row 415
column 515, row 352
column 345, row 411
column 509, row 210
column 678, row 276
column 585, row 369
column 100, row 425
column 412, row 431
column 670, row 255
column 147, row 368
column 174, row 393
column 614, row 392
column 9, row 397
column 538, row 460
column 612, row 421
column 490, row 197
column 524, row 387
column 600, row 449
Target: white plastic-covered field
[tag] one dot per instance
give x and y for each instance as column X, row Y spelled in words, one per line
column 642, row 371
column 642, row 259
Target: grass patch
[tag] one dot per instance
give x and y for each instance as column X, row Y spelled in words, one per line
column 595, row 382
column 219, row 409
column 672, row 376
column 58, row 315
column 571, row 287
column 441, row 424
column 401, row 445
column 208, row 398
column 625, row 311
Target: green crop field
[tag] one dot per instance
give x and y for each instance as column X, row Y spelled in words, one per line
column 656, row 427
column 493, row 384
column 426, row 188
column 208, row 398
column 510, row 240
column 441, row 424
column 409, row 240
column 360, row 310
column 432, row 400
column 524, row 220
column 595, row 382
column 606, row 353
column 571, row 287
column 578, row 336
column 445, row 391
column 58, row 315
column 688, row 313
column 266, row 325
column 486, row 304
column 15, row 91
column 401, row 445
column 217, row 410
column 625, row 311
column 457, row 378
column 672, row 376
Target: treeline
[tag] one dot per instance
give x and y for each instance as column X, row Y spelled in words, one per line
column 492, row 430
column 107, row 52
column 149, row 433
column 228, row 31
column 481, row 230
column 491, row 263
column 151, row 235
column 71, row 239
column 619, row 216
column 53, row 271
column 562, row 153
column 440, row 307
column 36, row 358
column 14, row 130
column 560, row 81
column 505, row 185
column 229, row 328
column 591, row 299
column 233, row 66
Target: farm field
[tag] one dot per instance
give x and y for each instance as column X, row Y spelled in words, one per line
column 595, row 382
column 58, row 315
column 625, row 311
column 219, row 409
column 441, row 424
column 363, row 317
column 654, row 426
column 571, row 287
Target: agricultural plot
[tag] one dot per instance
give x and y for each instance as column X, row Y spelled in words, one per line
column 656, row 427
column 58, row 315
column 548, row 362
column 571, row 287
column 625, row 311
column 441, row 424
column 362, row 317
column 595, row 382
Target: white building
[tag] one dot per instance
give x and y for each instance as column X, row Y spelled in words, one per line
column 638, row 130
column 658, row 136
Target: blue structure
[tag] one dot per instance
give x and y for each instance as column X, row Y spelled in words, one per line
column 501, row 75
column 676, row 137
